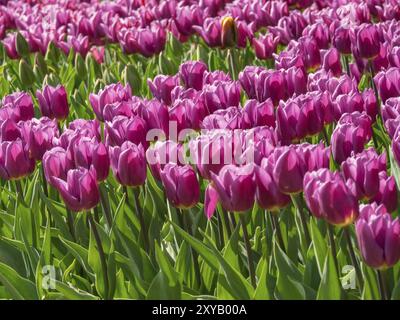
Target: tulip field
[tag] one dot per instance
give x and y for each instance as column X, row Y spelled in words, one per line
column 200, row 150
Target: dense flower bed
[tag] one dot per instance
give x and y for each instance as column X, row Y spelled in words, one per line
column 214, row 149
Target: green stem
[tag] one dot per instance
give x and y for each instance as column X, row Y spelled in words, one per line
column 332, row 244
column 101, row 254
column 220, row 232
column 275, row 223
column 232, row 64
column 139, row 213
column 353, row 256
column 106, row 206
column 382, row 284
column 44, row 182
column 195, row 256
column 70, row 221
column 297, row 203
column 226, row 222
column 248, row 251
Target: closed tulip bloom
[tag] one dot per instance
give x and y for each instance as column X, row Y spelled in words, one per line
column 348, row 103
column 17, row 106
column 210, row 31
column 234, row 187
column 161, row 87
column 390, row 109
column 271, row 84
column 228, row 32
column 396, row 146
column 331, row 61
column 56, row 164
column 350, row 135
column 289, row 172
column 209, row 77
column 367, row 41
column 162, row 153
column 181, row 185
column 123, row 129
column 88, row 128
column 268, row 195
column 110, row 94
column 363, row 172
column 128, row 163
column 39, row 135
column 387, row 194
column 247, row 77
column 188, row 113
column 265, row 46
column 378, row 236
column 80, row 191
column 230, row 118
column 296, row 81
column 370, row 103
column 388, row 83
column 322, row 189
column 191, row 73
column 259, row 114
column 90, row 153
column 342, row 39
column 53, row 102
column 155, row 114
column 15, row 162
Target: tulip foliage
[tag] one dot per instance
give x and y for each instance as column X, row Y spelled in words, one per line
column 199, row 149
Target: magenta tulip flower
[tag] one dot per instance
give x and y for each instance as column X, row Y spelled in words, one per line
column 17, row 106
column 181, row 185
column 128, row 164
column 378, row 236
column 39, row 135
column 191, row 73
column 15, row 162
column 322, row 189
column 123, row 129
column 53, row 102
column 259, row 114
column 56, row 164
column 234, row 187
column 110, row 94
column 265, row 46
column 387, row 193
column 80, row 190
column 9, row 130
column 161, row 87
column 367, row 41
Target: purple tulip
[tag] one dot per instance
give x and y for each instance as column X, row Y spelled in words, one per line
column 80, row 191
column 342, row 39
column 378, row 236
column 268, row 195
column 265, row 46
column 38, row 135
column 387, row 194
column 230, row 118
column 234, row 187
column 181, row 185
column 271, row 84
column 92, row 154
column 350, row 135
column 123, row 129
column 348, row 103
column 221, row 95
column 322, row 189
column 362, row 172
column 388, row 83
column 191, row 73
column 188, row 113
column 370, row 103
column 155, row 114
column 161, row 87
column 17, row 107
column 247, row 78
column 259, row 114
column 296, row 81
column 367, row 41
column 209, row 77
column 162, row 153
column 53, row 102
column 110, row 94
column 88, row 128
column 128, row 163
column 56, row 164
column 331, row 62
column 9, row 130
column 15, row 162
column 210, row 31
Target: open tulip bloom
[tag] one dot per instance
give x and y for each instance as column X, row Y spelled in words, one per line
column 217, row 149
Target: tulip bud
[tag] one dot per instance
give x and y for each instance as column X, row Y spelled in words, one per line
column 26, row 75
column 15, row 162
column 228, row 32
column 80, row 191
column 56, row 164
column 129, row 164
column 191, row 73
column 367, row 41
column 21, row 45
column 181, row 185
column 387, row 194
column 53, row 102
column 132, row 77
column 378, row 236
